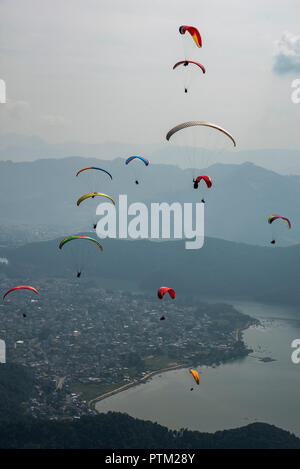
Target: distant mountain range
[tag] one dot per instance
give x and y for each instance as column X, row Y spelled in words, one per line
column 42, row 195
column 17, row 147
column 20, row 148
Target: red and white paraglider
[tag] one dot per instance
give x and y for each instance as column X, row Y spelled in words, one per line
column 161, row 293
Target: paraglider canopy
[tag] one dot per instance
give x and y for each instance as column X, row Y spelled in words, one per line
column 163, row 290
column 21, row 287
column 272, row 218
column 185, row 125
column 186, row 62
column 142, row 158
column 92, row 195
column 81, row 252
column 195, row 375
column 193, row 32
column 207, row 180
column 93, row 167
column 71, row 238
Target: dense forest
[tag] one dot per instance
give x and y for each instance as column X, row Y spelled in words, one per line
column 16, row 386
column 112, row 430
column 120, row 431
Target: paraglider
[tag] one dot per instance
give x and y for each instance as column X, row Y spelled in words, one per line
column 71, row 238
column 193, row 32
column 94, row 167
column 161, row 293
column 195, row 375
column 76, row 252
column 185, row 125
column 185, row 63
column 91, row 176
column 272, row 218
column 92, row 195
column 141, row 158
column 201, row 143
column 187, row 74
column 207, row 181
column 21, row 287
column 163, row 290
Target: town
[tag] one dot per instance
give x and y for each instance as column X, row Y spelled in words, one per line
column 81, row 340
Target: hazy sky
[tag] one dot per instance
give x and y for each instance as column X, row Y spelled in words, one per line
column 95, row 70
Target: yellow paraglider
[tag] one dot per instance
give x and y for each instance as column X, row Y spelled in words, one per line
column 92, row 195
column 195, row 375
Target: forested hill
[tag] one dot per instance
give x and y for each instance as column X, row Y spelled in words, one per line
column 221, row 269
column 120, row 431
column 16, row 387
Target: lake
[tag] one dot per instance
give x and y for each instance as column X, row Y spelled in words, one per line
column 231, row 395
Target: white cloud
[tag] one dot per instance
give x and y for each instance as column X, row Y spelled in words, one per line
column 287, row 56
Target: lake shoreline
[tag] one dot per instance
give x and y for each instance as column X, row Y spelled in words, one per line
column 133, row 383
column 137, row 381
column 229, row 394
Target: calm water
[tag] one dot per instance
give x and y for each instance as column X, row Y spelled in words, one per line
column 231, row 395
